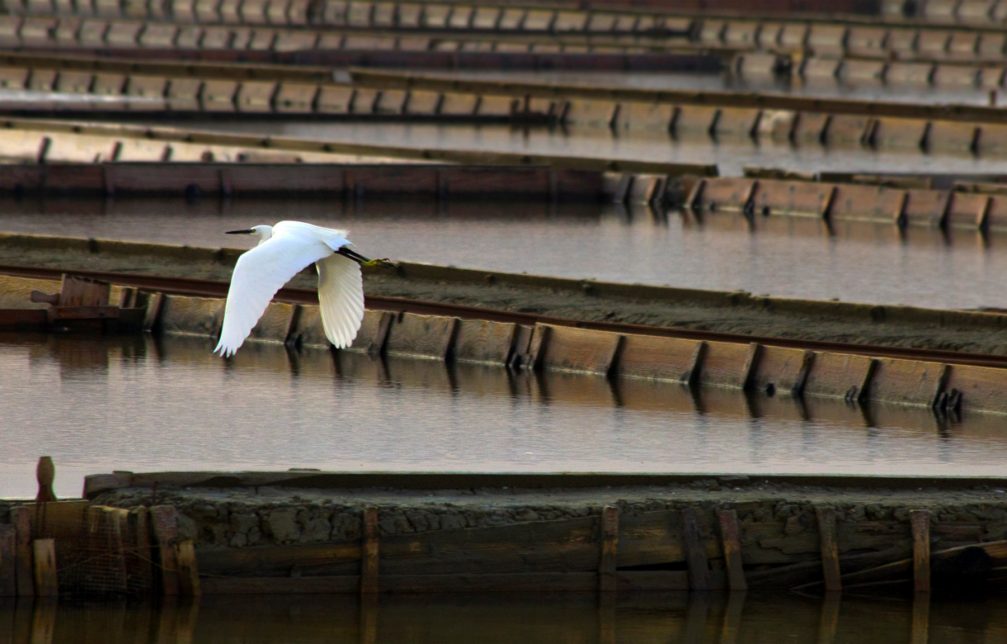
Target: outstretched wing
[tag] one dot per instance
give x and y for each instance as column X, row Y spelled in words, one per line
column 258, row 275
column 341, row 299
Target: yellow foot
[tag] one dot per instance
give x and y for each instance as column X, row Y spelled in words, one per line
column 384, row 261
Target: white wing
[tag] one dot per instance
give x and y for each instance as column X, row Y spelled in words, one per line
column 258, row 275
column 341, row 299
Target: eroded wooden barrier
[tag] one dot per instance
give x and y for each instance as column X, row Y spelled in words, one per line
column 964, row 206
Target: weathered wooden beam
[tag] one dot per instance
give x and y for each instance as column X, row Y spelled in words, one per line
column 22, row 520
column 45, row 574
column 8, row 561
column 369, row 561
column 731, row 542
column 164, row 521
column 830, row 548
column 919, row 521
column 695, row 551
column 188, row 570
column 609, row 549
column 139, row 560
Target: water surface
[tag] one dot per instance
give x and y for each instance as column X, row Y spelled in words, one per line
column 142, row 404
column 505, row 618
column 783, row 256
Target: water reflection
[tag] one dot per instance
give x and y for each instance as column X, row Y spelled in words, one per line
column 571, row 618
column 784, row 256
column 144, row 404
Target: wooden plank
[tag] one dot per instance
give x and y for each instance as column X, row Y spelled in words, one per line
column 580, row 350
column 919, row 521
column 140, row 562
column 22, row 521
column 830, row 548
column 730, row 535
column 320, row 558
column 188, row 570
column 45, row 576
column 369, row 555
column 695, row 551
column 8, row 561
column 609, row 548
column 164, row 521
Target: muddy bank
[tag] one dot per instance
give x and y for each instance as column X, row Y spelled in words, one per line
column 724, row 312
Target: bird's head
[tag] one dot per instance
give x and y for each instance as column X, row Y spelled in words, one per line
column 262, row 230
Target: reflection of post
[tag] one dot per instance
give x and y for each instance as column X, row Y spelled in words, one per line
column 43, row 622
column 695, row 618
column 732, row 618
column 921, row 619
column 369, row 618
column 606, row 618
column 177, row 623
column 828, row 622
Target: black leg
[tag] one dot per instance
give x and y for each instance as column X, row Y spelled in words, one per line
column 345, row 251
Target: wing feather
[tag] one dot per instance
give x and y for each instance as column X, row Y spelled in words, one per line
column 341, row 299
column 258, row 275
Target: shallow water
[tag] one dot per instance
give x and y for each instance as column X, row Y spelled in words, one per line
column 139, row 404
column 530, row 618
column 783, row 256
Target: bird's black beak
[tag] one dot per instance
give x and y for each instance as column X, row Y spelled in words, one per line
column 245, row 231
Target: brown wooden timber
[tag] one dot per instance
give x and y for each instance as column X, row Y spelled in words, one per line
column 731, row 544
column 45, row 576
column 21, row 518
column 695, row 549
column 164, row 521
column 829, row 547
column 919, row 521
column 607, row 581
column 369, row 564
column 8, row 561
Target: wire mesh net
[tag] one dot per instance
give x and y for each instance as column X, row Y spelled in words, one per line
column 99, row 550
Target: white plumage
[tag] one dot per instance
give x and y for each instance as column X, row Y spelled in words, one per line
column 284, row 250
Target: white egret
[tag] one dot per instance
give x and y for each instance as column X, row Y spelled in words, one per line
column 284, row 250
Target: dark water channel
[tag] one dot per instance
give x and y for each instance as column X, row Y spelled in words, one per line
column 532, row 619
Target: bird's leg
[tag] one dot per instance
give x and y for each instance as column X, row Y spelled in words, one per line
column 345, row 251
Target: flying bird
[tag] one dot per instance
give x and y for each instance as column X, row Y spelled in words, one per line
column 285, row 249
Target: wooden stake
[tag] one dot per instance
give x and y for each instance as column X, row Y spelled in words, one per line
column 8, row 561
column 164, row 521
column 21, row 518
column 731, row 541
column 695, row 551
column 919, row 521
column 45, row 474
column 46, row 580
column 188, row 570
column 138, row 538
column 369, row 553
column 607, row 581
column 830, row 548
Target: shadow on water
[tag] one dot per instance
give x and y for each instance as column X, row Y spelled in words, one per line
column 529, row 618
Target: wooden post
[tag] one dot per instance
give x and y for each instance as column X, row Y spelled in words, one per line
column 139, row 564
column 607, row 581
column 188, row 570
column 369, row 553
column 695, row 551
column 21, row 518
column 830, row 548
column 8, row 561
column 164, row 521
column 46, row 581
column 112, row 525
column 919, row 521
column 731, row 541
column 45, row 474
